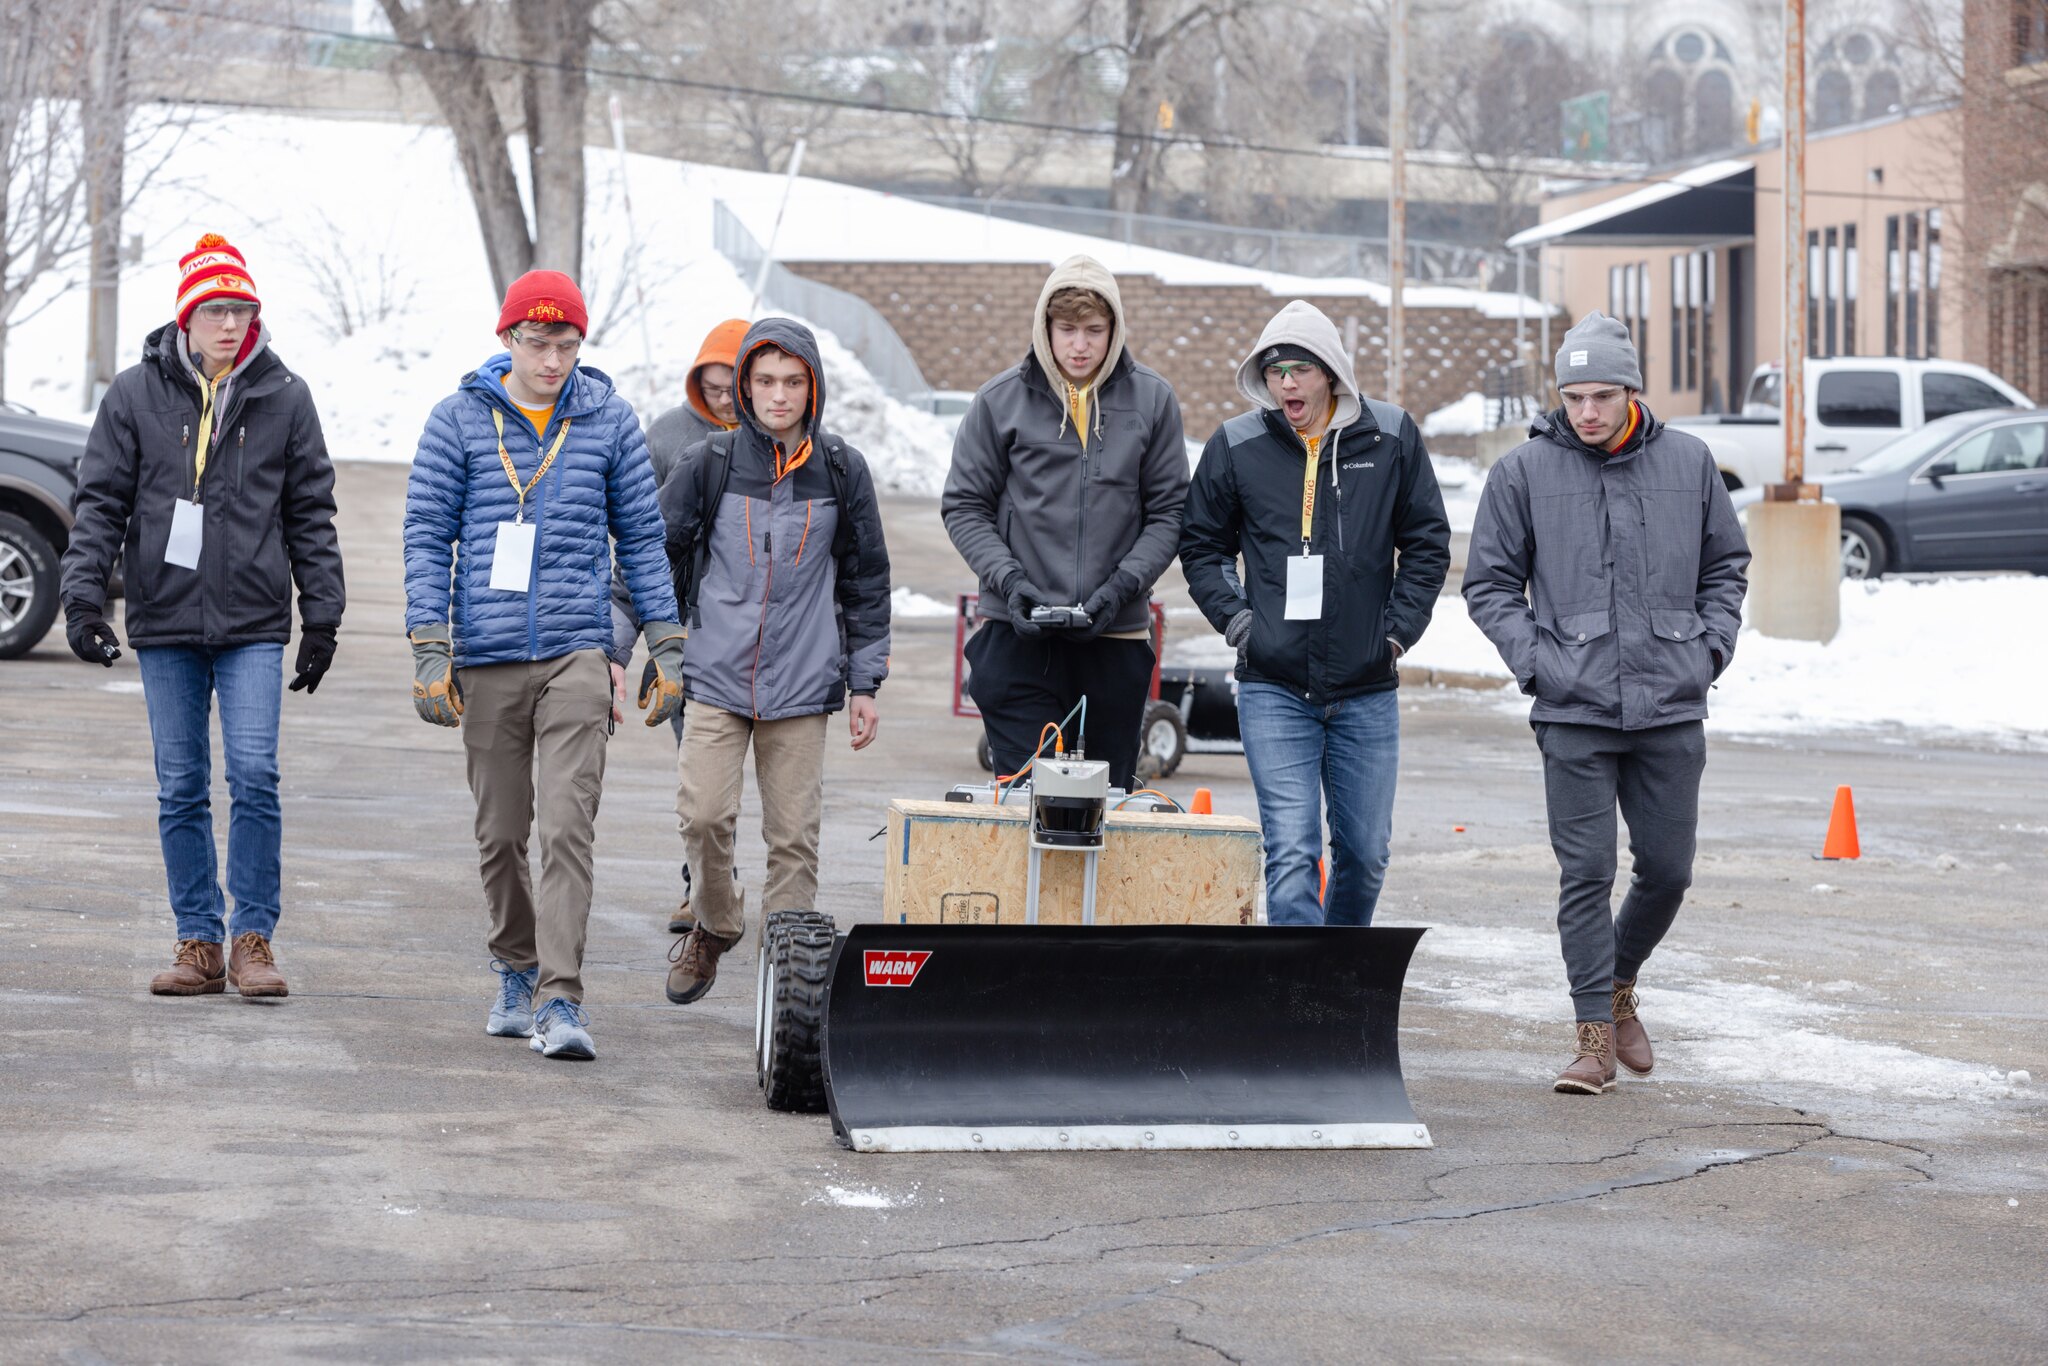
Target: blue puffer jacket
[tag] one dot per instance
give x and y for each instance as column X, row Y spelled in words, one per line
column 600, row 489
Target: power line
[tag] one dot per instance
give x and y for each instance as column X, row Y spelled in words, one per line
column 1167, row 140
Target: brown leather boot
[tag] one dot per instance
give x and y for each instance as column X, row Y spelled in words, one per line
column 696, row 957
column 1592, row 1069
column 251, row 969
column 1631, row 1040
column 195, row 971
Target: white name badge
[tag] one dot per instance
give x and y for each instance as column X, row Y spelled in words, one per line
column 188, row 529
column 1304, row 587
column 512, row 557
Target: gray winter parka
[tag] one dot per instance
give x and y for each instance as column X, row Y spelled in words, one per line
column 1635, row 573
column 1030, row 496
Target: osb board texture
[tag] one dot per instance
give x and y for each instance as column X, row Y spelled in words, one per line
column 968, row 864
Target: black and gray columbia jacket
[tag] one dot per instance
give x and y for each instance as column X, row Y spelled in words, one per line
column 783, row 583
column 267, row 498
column 1634, row 568
column 1376, row 495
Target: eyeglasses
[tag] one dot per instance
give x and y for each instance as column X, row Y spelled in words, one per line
column 1595, row 398
column 1287, row 369
column 541, row 346
column 716, row 393
column 220, row 313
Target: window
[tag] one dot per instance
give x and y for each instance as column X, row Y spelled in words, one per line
column 1857, row 398
column 1942, row 393
column 2029, row 32
column 1849, row 265
column 1628, row 301
column 1831, row 290
column 1813, row 276
column 1692, row 326
column 1912, row 284
column 1677, row 323
column 2008, row 449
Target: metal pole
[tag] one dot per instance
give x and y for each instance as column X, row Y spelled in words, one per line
column 1794, row 405
column 1521, row 298
column 1397, row 193
column 796, row 162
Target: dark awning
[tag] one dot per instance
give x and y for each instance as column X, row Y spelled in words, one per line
column 1697, row 207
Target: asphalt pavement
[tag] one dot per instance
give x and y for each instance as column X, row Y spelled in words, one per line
column 1841, row 1156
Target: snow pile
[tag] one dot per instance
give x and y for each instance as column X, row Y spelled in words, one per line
column 1461, row 482
column 1898, row 662
column 861, row 1197
column 908, row 602
column 1465, row 417
column 416, row 241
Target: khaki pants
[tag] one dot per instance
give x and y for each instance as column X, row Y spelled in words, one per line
column 543, row 725
column 789, row 765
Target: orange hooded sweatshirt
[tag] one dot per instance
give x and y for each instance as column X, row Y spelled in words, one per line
column 721, row 347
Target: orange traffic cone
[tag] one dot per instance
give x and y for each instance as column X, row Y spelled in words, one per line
column 1841, row 842
column 1203, row 804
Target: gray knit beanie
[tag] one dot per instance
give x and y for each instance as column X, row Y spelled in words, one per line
column 1598, row 351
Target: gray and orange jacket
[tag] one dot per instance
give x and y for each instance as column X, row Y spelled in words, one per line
column 783, row 577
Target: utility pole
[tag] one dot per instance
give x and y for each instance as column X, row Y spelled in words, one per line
column 1397, row 193
column 1794, row 534
column 103, row 117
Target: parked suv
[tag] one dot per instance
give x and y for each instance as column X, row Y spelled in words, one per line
column 39, row 459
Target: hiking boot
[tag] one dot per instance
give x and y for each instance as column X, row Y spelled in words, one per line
column 561, row 1030
column 195, row 970
column 1592, row 1068
column 251, row 969
column 1631, row 1040
column 512, row 1014
column 682, row 922
column 696, row 958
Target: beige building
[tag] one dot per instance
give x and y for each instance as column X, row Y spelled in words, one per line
column 1693, row 259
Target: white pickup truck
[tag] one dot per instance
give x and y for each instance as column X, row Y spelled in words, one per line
column 1854, row 404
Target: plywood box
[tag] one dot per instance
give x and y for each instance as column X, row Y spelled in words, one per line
column 966, row 863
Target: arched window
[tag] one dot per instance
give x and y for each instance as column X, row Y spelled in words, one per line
column 1834, row 100
column 1881, row 95
column 1689, row 95
column 1856, row 77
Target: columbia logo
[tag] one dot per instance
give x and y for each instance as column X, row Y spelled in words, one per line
column 1359, row 465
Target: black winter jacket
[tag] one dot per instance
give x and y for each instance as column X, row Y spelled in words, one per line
column 267, row 498
column 1246, row 499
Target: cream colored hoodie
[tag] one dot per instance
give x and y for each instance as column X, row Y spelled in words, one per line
column 1078, row 272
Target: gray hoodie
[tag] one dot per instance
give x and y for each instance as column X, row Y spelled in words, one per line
column 1032, row 496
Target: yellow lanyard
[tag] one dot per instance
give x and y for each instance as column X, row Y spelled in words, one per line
column 1308, row 491
column 561, row 435
column 207, row 389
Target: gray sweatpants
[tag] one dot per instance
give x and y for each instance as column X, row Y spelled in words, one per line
column 1654, row 776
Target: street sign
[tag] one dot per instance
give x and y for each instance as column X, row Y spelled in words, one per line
column 1584, row 124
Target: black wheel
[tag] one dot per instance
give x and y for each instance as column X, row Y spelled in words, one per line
column 1165, row 741
column 772, row 924
column 792, row 1065
column 1864, row 554
column 28, row 586
column 982, row 755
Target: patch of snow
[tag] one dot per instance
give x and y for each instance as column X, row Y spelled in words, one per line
column 907, row 602
column 861, row 1197
column 1461, row 482
column 1771, row 1041
column 123, row 685
column 1465, row 417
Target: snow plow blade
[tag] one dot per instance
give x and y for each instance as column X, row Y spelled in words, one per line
column 968, row 1038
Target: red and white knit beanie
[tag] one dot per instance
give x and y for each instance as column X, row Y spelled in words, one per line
column 212, row 270
column 544, row 296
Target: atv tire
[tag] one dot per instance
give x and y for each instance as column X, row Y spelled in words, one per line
column 798, row 958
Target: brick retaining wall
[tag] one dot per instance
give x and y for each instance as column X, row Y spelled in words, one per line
column 966, row 321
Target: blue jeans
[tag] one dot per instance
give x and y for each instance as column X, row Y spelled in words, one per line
column 1347, row 754
column 178, row 685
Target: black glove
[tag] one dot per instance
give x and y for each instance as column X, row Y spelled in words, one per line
column 1236, row 634
column 92, row 640
column 1107, row 601
column 316, row 652
column 1021, row 596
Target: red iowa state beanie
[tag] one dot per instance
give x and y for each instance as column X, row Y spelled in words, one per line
column 212, row 270
column 544, row 296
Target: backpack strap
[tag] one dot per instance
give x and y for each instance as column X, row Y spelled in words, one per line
column 713, row 473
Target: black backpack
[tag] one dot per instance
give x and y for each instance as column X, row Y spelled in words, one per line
column 712, row 473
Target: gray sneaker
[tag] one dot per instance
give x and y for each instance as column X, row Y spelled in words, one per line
column 561, row 1030
column 512, row 1013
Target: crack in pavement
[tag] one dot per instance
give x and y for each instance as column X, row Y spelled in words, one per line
column 1043, row 1334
